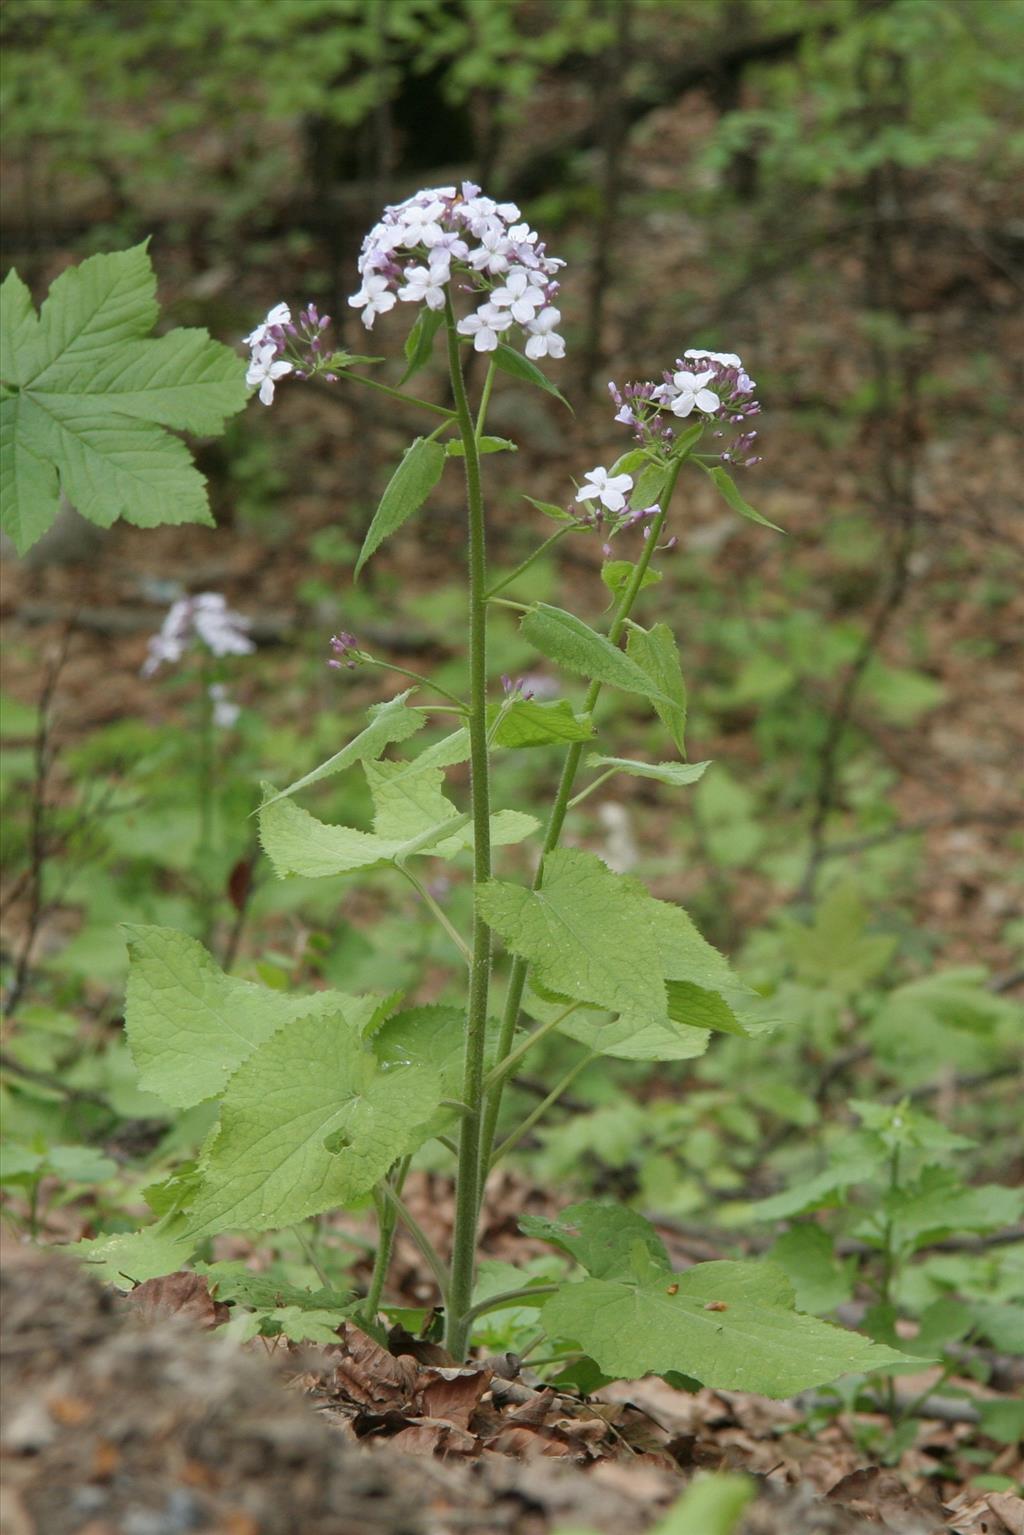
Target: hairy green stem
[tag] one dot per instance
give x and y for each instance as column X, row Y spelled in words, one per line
column 468, row 1176
column 520, row 967
column 485, row 400
column 507, row 1297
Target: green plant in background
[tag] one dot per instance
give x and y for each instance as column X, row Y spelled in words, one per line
column 324, row 1098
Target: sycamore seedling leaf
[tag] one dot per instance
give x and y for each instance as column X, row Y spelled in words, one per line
column 389, row 722
column 729, row 1325
column 86, row 396
column 311, row 1120
column 190, row 1026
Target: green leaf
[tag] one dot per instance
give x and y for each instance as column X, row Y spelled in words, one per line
column 518, row 366
column 566, row 639
column 730, row 1325
column 616, row 575
column 309, row 1121
column 649, row 485
column 233, row 1281
column 557, row 513
column 687, row 441
column 656, row 653
column 434, row 1037
column 836, row 950
column 711, row 1505
column 821, row 1192
column 389, row 722
column 731, row 495
column 604, row 1238
column 527, row 723
column 409, row 800
column 419, row 343
column 94, row 395
column 131, row 1257
column 677, row 774
column 298, row 843
column 456, row 448
column 1002, row 1419
column 190, row 1026
column 421, row 467
column 587, row 932
column 820, row 1279
column 938, row 1205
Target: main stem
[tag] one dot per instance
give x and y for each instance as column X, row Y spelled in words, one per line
column 520, row 967
column 458, row 1320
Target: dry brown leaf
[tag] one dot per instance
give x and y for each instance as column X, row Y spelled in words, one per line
column 182, row 1295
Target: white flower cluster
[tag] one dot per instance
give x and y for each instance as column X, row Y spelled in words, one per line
column 421, row 244
column 687, row 389
column 206, row 619
column 266, row 365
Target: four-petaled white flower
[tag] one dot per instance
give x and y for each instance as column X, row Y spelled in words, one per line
column 543, row 341
column 485, row 327
column 521, row 296
column 374, row 298
column 692, row 390
column 265, row 369
column 727, row 359
column 279, row 315
column 424, row 285
column 610, row 490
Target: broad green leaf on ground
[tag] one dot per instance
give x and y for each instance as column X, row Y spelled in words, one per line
column 391, row 721
column 606, row 1239
column 572, row 644
column 131, row 1257
column 656, row 653
column 71, row 1164
column 729, row 1325
column 409, row 799
column 587, row 932
column 189, row 1025
column 311, row 1120
column 616, row 575
column 518, row 366
column 527, row 723
column 677, row 774
column 730, row 493
column 836, row 949
column 406, row 491
column 86, row 396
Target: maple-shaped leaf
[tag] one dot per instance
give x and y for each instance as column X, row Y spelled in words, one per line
column 86, row 395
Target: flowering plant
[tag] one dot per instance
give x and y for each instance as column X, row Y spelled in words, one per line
column 325, row 1099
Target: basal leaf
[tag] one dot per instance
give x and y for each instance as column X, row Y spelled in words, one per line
column 130, row 1257
column 190, row 1026
column 528, row 723
column 730, row 1325
column 88, row 395
column 389, row 722
column 311, row 1120
column 656, row 653
column 677, row 774
column 421, row 467
column 566, row 639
